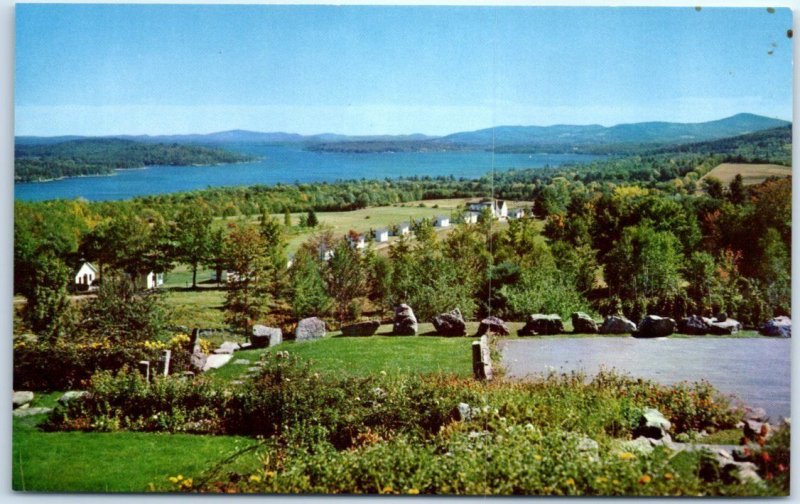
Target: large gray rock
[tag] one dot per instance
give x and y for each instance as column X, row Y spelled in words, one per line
column 582, row 323
column 492, row 325
column 405, row 323
column 719, row 465
column 617, row 325
column 264, row 336
column 450, row 324
column 198, row 359
column 724, row 327
column 21, row 398
column 694, row 325
column 361, row 329
column 757, row 414
column 539, row 324
column 23, row 412
column 71, row 395
column 308, row 329
column 780, row 327
column 652, row 424
column 653, row 326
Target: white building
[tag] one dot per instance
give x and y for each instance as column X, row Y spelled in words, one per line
column 516, row 213
column 442, row 221
column 86, row 277
column 403, row 229
column 150, row 281
column 357, row 241
column 381, row 235
column 471, row 217
column 499, row 208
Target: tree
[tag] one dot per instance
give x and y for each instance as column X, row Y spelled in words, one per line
column 345, row 278
column 308, row 294
column 249, row 287
column 643, row 269
column 714, row 187
column 122, row 315
column 311, row 219
column 737, row 193
column 48, row 310
column 287, row 218
column 193, row 236
column 216, row 253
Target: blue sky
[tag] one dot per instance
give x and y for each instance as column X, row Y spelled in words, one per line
column 157, row 69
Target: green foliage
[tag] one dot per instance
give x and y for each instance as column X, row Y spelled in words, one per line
column 345, row 278
column 193, row 236
column 308, row 294
column 311, row 219
column 104, row 155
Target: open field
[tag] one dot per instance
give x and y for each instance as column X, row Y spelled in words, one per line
column 752, row 174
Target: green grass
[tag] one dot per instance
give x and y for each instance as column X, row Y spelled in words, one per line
column 197, row 308
column 112, row 462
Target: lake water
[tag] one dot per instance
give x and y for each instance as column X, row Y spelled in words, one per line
column 287, row 164
column 756, row 370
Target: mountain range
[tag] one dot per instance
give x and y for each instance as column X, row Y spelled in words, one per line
column 500, row 136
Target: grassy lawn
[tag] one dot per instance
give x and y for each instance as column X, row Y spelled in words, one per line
column 197, row 308
column 112, row 462
column 751, row 173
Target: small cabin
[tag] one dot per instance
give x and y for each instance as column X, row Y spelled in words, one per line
column 516, row 213
column 499, row 208
column 381, row 235
column 442, row 221
column 87, row 277
column 357, row 241
column 149, row 281
column 471, row 217
column 403, row 229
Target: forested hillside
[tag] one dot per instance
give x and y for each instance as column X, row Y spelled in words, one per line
column 98, row 156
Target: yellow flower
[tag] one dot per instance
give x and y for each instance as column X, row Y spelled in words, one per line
column 413, row 491
column 270, row 474
column 626, row 456
column 173, row 479
column 668, row 476
column 255, row 479
column 645, row 479
column 601, row 479
column 386, row 489
column 537, row 457
column 570, row 482
column 187, row 483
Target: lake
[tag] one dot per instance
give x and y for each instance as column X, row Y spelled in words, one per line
column 756, row 370
column 287, row 164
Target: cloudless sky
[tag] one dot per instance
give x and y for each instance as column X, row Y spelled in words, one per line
column 158, row 69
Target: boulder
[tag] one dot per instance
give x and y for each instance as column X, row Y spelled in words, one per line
column 718, row 465
column 23, row 412
column 263, row 336
column 617, row 325
column 695, row 325
column 227, row 348
column 652, row 424
column 539, row 324
column 582, row 323
column 757, row 414
column 463, row 412
column 641, row 445
column 71, row 395
column 780, row 327
column 493, row 325
column 450, row 324
column 753, row 430
column 653, row 326
column 361, row 329
column 198, row 359
column 405, row 323
column 724, row 327
column 308, row 329
column 21, row 398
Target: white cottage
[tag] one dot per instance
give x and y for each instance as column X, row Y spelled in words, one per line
column 442, row 221
column 86, row 277
column 516, row 213
column 149, row 281
column 471, row 217
column 357, row 241
column 381, row 235
column 403, row 229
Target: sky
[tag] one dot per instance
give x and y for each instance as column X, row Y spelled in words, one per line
column 172, row 69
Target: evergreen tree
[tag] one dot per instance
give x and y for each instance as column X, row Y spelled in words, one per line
column 311, row 219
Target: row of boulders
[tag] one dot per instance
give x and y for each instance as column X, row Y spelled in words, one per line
column 22, row 399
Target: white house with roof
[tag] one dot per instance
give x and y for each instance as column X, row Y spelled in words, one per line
column 471, row 217
column 499, row 208
column 381, row 235
column 516, row 213
column 403, row 229
column 149, row 281
column 442, row 221
column 87, row 276
column 357, row 241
